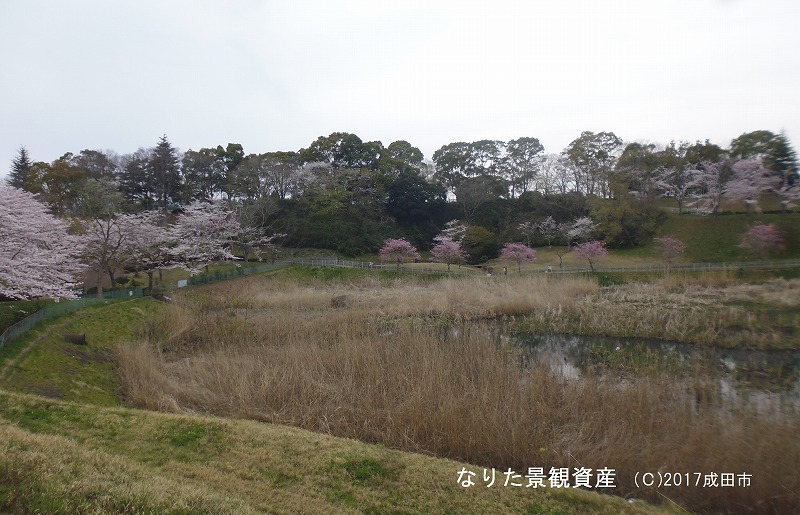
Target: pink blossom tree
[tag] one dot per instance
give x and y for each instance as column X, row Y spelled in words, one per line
column 591, row 251
column 763, row 240
column 670, row 249
column 448, row 251
column 517, row 253
column 38, row 257
column 398, row 250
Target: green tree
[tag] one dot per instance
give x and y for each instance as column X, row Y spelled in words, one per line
column 459, row 161
column 230, row 158
column 626, row 221
column 412, row 200
column 204, row 174
column 165, row 172
column 594, row 154
column 521, row 164
column 21, row 165
column 135, row 180
column 480, row 244
column 343, row 150
column 99, row 198
column 61, row 185
column 703, row 153
column 98, row 165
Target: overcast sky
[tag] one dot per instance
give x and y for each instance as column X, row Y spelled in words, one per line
column 275, row 75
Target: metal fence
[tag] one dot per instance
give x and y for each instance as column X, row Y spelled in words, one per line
column 239, row 271
column 685, row 267
column 61, row 308
column 368, row 265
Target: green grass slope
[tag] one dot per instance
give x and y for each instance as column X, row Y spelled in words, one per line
column 715, row 238
column 43, row 362
column 61, row 457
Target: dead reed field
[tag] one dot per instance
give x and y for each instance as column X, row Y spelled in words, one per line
column 407, row 363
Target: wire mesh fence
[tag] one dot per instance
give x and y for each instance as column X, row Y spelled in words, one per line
column 62, row 308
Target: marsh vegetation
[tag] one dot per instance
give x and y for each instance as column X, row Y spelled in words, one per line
column 376, row 357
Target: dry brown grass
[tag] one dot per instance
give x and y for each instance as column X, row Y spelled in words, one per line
column 380, row 370
column 709, row 309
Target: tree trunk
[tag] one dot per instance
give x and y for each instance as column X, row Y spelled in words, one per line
column 150, row 280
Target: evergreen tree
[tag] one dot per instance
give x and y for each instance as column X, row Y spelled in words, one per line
column 166, row 173
column 20, row 170
column 783, row 159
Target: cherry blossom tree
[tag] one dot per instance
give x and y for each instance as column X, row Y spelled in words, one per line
column 104, row 250
column 572, row 232
column 677, row 183
column 398, row 250
column 454, row 230
column 670, row 249
column 591, row 251
column 789, row 194
column 763, row 240
column 549, row 229
column 204, row 233
column 149, row 243
column 448, row 251
column 707, row 195
column 38, row 257
column 750, row 180
column 517, row 253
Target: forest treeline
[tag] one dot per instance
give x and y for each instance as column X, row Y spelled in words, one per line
column 344, row 194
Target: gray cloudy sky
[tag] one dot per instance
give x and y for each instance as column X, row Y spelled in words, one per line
column 275, row 75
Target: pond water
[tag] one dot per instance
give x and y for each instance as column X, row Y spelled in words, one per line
column 767, row 380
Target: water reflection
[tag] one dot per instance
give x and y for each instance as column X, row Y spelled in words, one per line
column 766, row 380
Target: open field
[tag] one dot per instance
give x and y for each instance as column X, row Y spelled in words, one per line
column 406, row 362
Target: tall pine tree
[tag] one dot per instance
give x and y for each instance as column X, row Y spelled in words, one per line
column 20, row 170
column 166, row 173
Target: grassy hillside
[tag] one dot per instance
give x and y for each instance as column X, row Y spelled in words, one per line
column 58, row 457
column 715, row 238
column 43, row 362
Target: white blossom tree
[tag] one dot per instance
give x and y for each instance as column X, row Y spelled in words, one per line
column 149, row 243
column 103, row 253
column 707, row 195
column 677, row 183
column 453, row 230
column 204, row 233
column 749, row 181
column 38, row 257
column 572, row 232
